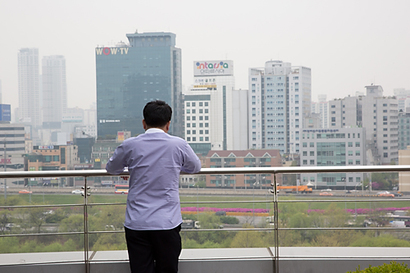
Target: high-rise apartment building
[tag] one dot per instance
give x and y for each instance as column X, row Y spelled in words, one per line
column 403, row 98
column 208, row 107
column 378, row 115
column 29, row 89
column 130, row 75
column 54, row 90
column 279, row 98
column 322, row 108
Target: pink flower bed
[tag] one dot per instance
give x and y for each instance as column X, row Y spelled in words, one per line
column 362, row 211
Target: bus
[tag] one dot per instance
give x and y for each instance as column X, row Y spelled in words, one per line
column 121, row 189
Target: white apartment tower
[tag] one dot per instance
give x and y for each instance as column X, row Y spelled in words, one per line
column 208, row 107
column 29, row 90
column 54, row 89
column 378, row 115
column 322, row 108
column 279, row 99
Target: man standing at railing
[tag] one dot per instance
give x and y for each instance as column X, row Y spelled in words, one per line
column 153, row 215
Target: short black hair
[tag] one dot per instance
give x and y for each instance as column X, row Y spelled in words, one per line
column 157, row 113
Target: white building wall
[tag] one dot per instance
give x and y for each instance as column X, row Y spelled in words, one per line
column 255, row 98
column 54, row 87
column 240, row 119
column 219, row 123
column 29, row 87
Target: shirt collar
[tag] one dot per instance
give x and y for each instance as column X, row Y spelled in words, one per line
column 154, row 130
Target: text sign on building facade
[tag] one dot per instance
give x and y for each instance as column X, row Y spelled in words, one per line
column 111, row 51
column 5, row 112
column 213, row 68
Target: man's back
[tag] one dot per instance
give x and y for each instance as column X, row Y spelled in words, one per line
column 154, row 161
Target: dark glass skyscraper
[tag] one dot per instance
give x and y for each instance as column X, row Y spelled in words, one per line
column 129, row 76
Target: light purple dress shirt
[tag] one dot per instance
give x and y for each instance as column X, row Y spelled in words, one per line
column 154, row 160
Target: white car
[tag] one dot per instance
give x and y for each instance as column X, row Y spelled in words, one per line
column 327, row 190
column 78, row 192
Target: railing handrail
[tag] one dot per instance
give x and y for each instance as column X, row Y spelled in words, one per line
column 235, row 170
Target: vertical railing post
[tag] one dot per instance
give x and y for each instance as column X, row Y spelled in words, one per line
column 86, row 241
column 276, row 223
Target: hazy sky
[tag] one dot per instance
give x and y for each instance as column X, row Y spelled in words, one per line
column 348, row 44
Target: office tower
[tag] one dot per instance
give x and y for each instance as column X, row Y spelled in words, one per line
column 378, row 115
column 208, row 107
column 54, row 91
column 130, row 75
column 29, row 90
column 279, row 99
column 322, row 108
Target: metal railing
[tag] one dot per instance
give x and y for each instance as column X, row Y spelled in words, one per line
column 211, row 171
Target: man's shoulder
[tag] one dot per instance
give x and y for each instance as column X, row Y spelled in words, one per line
column 165, row 136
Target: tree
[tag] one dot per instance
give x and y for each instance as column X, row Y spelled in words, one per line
column 248, row 239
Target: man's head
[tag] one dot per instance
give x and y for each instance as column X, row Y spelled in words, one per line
column 157, row 114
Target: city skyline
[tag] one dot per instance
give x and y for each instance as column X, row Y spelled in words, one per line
column 348, row 44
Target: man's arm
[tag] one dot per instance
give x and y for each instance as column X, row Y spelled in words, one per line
column 192, row 164
column 116, row 164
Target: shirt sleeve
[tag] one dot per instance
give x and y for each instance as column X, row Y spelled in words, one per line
column 117, row 162
column 192, row 164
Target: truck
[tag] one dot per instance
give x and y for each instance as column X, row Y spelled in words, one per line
column 295, row 189
column 190, row 224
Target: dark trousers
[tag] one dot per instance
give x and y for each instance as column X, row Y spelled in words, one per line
column 153, row 251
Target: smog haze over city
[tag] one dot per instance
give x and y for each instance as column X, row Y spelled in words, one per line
column 347, row 44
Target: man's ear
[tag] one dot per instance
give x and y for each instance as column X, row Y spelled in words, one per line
column 167, row 126
column 144, row 125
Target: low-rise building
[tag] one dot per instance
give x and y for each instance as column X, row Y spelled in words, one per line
column 52, row 158
column 333, row 147
column 244, row 158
